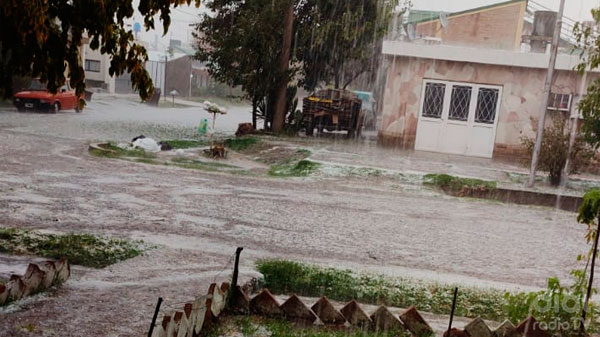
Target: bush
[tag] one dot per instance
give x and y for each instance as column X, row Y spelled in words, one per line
column 554, row 151
column 445, row 181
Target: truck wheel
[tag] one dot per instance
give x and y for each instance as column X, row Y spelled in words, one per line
column 310, row 128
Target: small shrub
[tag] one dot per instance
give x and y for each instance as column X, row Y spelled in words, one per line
column 554, row 151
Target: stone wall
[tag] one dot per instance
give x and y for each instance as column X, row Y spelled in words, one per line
column 37, row 278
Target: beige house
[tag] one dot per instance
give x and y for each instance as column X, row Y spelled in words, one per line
column 471, row 83
column 96, row 67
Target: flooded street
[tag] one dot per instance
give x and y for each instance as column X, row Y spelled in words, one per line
column 196, row 219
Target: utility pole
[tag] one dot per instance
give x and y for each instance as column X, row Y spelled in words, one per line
column 574, row 119
column 546, row 97
column 284, row 65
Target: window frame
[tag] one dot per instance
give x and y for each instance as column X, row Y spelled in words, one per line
column 449, row 86
column 552, row 99
column 89, row 62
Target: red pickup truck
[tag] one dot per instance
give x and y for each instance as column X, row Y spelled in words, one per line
column 37, row 97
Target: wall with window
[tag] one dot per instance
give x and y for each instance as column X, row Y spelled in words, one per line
column 96, row 68
column 522, row 90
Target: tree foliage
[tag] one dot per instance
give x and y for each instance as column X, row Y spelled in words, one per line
column 588, row 44
column 42, row 39
column 555, row 148
column 240, row 41
column 339, row 40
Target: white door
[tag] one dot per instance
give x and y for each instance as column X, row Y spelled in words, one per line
column 458, row 118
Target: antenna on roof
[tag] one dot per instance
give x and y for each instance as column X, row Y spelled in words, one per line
column 443, row 19
column 410, row 31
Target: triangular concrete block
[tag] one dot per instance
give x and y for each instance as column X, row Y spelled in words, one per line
column 355, row 315
column 265, row 304
column 478, row 328
column 240, row 302
column 415, row 323
column 531, row 328
column 327, row 312
column 201, row 314
column 16, row 288
column 384, row 320
column 63, row 271
column 50, row 273
column 218, row 299
column 506, row 329
column 454, row 332
column 34, row 279
column 294, row 309
column 3, row 294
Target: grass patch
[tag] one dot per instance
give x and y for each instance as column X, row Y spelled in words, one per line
column 113, row 151
column 302, row 168
column 284, row 277
column 185, row 143
column 240, row 144
column 445, row 181
column 82, row 249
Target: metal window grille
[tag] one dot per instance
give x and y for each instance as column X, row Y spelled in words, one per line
column 560, row 102
column 433, row 103
column 487, row 101
column 460, row 102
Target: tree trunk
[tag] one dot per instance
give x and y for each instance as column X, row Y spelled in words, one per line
column 254, row 113
column 284, row 65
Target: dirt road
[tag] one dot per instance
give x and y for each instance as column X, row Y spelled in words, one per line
column 196, row 219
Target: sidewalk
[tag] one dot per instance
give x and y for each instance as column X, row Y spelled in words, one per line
column 366, row 153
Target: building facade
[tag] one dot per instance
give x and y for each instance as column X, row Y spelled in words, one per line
column 469, row 85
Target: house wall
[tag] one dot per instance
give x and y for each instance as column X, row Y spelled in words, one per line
column 519, row 106
column 101, row 77
column 498, row 26
column 178, row 75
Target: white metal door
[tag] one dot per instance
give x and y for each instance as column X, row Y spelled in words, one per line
column 458, row 118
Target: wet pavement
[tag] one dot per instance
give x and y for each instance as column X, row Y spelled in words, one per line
column 196, row 219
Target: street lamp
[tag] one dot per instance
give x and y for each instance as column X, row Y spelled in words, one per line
column 191, row 76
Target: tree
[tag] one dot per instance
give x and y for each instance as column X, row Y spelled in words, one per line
column 42, row 39
column 588, row 42
column 240, row 42
column 339, row 40
column 554, row 151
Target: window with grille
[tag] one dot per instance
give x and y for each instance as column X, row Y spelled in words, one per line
column 560, row 102
column 433, row 102
column 487, row 101
column 92, row 65
column 460, row 102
